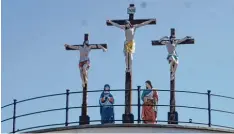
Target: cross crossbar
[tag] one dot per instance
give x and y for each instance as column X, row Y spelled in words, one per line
column 133, row 22
column 158, row 43
column 186, row 41
column 93, row 46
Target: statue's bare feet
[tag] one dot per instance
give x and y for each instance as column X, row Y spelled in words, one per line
column 128, row 70
column 172, row 76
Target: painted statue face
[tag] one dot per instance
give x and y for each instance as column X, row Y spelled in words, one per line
column 86, row 43
column 147, row 86
column 128, row 24
column 106, row 89
column 172, row 39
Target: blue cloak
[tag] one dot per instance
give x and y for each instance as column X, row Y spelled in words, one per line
column 106, row 108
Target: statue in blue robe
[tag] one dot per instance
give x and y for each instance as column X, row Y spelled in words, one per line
column 106, row 102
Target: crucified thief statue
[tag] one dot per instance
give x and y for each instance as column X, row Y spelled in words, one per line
column 172, row 57
column 84, row 62
column 171, row 44
column 129, row 44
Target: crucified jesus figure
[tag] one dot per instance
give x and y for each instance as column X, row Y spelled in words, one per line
column 84, row 62
column 129, row 44
column 173, row 59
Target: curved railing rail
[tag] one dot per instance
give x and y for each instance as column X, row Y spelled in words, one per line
column 138, row 105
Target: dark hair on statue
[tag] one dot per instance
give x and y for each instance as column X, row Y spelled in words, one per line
column 127, row 22
column 106, row 85
column 84, row 43
column 149, row 82
column 172, row 37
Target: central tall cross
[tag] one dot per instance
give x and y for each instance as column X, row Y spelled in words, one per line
column 172, row 115
column 128, row 116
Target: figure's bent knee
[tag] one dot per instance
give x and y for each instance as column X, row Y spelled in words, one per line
column 172, row 58
column 85, row 67
column 84, row 70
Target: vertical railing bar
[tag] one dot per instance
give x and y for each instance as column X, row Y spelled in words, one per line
column 139, row 104
column 67, row 106
column 209, row 108
column 14, row 116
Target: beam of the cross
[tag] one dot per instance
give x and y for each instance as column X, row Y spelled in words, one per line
column 133, row 22
column 128, row 116
column 187, row 41
column 86, row 38
column 173, row 115
column 158, row 43
column 94, row 46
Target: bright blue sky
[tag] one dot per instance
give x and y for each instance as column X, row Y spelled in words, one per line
column 35, row 63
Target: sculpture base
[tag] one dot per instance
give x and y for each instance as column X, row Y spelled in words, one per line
column 172, row 118
column 128, row 118
column 84, row 119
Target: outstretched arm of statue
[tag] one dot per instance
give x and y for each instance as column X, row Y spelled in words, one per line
column 98, row 46
column 144, row 23
column 163, row 40
column 183, row 39
column 71, row 46
column 115, row 24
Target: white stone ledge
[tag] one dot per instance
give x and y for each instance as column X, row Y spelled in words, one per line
column 133, row 128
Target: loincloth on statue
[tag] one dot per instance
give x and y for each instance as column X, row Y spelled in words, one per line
column 82, row 63
column 171, row 56
column 129, row 47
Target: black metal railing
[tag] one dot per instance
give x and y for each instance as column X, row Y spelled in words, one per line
column 138, row 105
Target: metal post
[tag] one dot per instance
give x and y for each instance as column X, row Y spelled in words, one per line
column 67, row 106
column 139, row 103
column 14, row 115
column 209, row 108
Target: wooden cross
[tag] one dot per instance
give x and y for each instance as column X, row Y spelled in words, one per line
column 84, row 118
column 128, row 116
column 173, row 115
